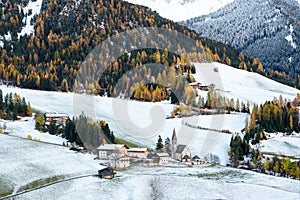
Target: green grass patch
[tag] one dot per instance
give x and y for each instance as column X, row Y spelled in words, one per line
column 40, row 182
column 127, row 143
column 6, row 188
column 221, row 175
column 5, row 191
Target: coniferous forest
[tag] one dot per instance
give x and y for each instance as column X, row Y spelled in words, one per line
column 50, row 58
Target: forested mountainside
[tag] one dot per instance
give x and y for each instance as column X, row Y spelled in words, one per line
column 269, row 30
column 64, row 32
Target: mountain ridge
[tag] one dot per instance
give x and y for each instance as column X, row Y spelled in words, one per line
column 269, row 30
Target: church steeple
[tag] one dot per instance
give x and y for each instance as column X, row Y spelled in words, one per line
column 174, row 137
column 174, row 143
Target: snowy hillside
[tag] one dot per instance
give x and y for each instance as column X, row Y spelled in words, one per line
column 179, row 10
column 23, row 162
column 35, row 161
column 142, row 122
column 246, row 86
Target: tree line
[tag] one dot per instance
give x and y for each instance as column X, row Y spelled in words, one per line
column 82, row 130
column 13, row 105
column 284, row 167
column 278, row 115
column 213, row 101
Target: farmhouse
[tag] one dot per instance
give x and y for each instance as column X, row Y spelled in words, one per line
column 152, row 160
column 163, row 158
column 158, row 159
column 180, row 152
column 105, row 150
column 137, row 152
column 119, row 161
column 59, row 118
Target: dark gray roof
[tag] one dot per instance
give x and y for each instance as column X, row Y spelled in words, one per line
column 186, row 157
column 196, row 157
column 151, row 156
column 180, row 148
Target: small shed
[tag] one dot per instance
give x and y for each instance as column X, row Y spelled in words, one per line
column 107, row 173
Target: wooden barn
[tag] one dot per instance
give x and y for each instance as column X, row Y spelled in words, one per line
column 107, row 173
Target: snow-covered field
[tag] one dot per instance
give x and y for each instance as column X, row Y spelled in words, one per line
column 142, row 122
column 175, row 183
column 284, row 145
column 234, row 122
column 247, row 86
column 23, row 162
column 26, row 127
column 180, row 10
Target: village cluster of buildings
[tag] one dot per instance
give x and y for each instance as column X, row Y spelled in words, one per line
column 118, row 156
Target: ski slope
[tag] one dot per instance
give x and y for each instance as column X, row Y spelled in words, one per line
column 180, row 10
column 142, row 122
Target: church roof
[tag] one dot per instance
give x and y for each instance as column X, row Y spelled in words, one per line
column 180, row 148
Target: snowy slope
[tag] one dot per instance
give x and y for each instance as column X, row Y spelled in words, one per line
column 26, row 126
column 179, row 10
column 289, row 146
column 246, row 86
column 175, row 183
column 142, row 122
column 25, row 161
column 34, row 161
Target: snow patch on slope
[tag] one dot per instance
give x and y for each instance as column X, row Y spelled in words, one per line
column 33, row 8
column 178, row 10
column 289, row 38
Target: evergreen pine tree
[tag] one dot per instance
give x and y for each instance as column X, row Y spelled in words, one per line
column 159, row 144
column 52, row 127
